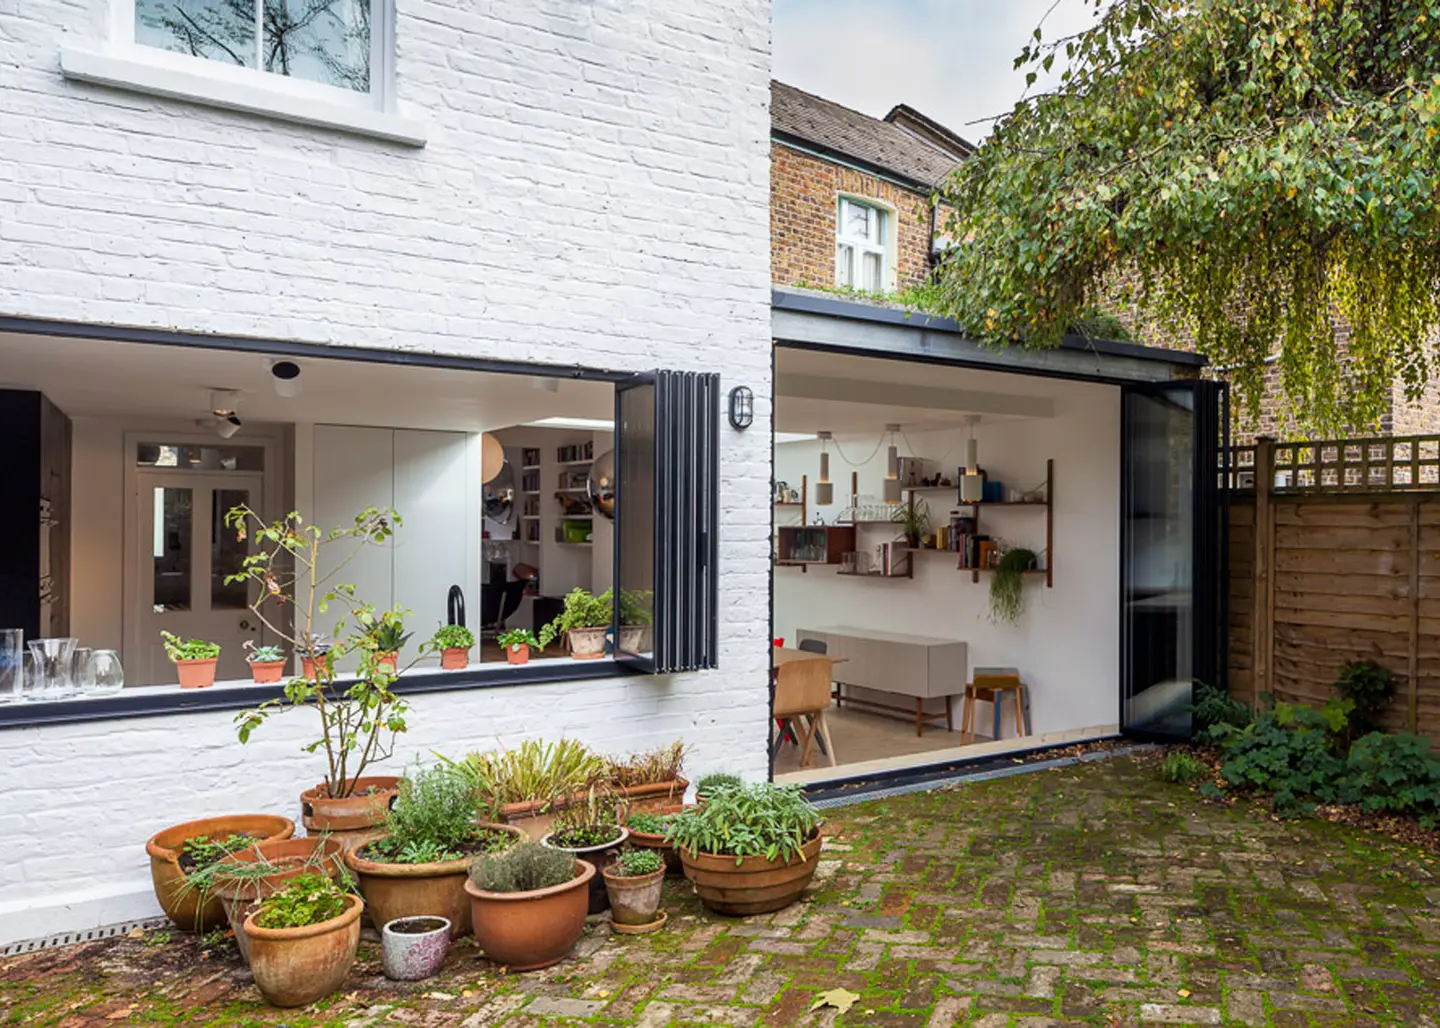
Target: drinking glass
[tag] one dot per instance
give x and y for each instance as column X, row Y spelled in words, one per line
column 103, row 674
column 52, row 667
column 12, row 665
column 79, row 665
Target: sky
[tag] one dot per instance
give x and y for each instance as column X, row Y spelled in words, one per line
column 949, row 59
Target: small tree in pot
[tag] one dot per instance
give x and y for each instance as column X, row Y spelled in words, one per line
column 584, row 622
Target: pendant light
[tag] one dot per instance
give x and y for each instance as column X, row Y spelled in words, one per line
column 892, row 468
column 824, row 491
column 972, row 484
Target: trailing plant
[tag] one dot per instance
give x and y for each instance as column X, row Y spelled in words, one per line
column 588, row 820
column 1182, row 768
column 263, row 654
column 913, row 519
column 759, row 820
column 451, row 637
column 637, row 606
column 296, row 569
column 178, row 649
column 514, row 638
column 647, row 823
column 1213, row 707
column 715, row 781
column 434, row 812
column 309, row 899
column 1370, row 688
column 523, row 868
column 581, row 610
column 649, row 767
column 1393, row 774
column 638, row 863
column 547, row 772
column 389, row 636
column 1007, row 585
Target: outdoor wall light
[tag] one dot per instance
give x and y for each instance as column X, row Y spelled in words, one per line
column 285, row 375
column 824, row 491
column 742, row 407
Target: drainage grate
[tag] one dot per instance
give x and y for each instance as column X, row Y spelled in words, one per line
column 109, row 931
column 905, row 788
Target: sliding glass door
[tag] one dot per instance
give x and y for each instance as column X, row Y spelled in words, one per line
column 1172, row 576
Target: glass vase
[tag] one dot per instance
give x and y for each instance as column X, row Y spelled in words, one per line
column 53, row 659
column 104, row 675
column 12, row 665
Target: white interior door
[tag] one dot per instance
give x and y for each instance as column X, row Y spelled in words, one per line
column 183, row 555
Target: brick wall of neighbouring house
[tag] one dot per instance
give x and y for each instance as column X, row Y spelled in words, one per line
column 804, row 195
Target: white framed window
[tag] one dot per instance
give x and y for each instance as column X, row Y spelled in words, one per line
column 862, row 246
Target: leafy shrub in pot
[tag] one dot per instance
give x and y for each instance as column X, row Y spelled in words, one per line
column 194, row 660
column 518, row 642
column 303, row 941
column 453, row 643
column 648, row 831
column 528, row 905
column 584, row 621
column 749, row 849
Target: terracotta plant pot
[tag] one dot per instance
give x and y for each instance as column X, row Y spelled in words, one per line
column 196, row 674
column 413, row 948
column 655, row 798
column 599, row 857
column 518, row 654
column 655, row 841
column 393, row 891
column 533, row 817
column 267, row 671
column 291, row 857
column 755, row 885
column 527, row 930
column 387, row 660
column 635, row 638
column 294, row 967
column 587, row 643
column 634, row 901
column 354, row 818
column 307, row 667
column 186, row 907
column 454, row 658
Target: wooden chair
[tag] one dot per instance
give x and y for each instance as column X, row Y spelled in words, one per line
column 992, row 689
column 802, row 695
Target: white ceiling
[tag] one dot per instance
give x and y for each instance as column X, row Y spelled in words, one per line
column 87, row 378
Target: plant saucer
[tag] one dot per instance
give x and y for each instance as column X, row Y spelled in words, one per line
column 641, row 929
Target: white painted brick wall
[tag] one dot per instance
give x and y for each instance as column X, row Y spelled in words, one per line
column 594, row 191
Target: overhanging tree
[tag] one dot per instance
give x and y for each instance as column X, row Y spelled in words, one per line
column 1246, row 169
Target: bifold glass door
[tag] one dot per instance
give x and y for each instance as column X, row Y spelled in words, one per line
column 1172, row 576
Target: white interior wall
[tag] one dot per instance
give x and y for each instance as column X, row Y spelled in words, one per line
column 1066, row 645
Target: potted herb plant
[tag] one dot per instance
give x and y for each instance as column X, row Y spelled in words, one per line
column 648, row 830
column 295, row 567
column 637, row 614
column 527, row 785
column 1007, row 585
column 750, row 849
column 389, row 637
column 194, row 660
column 303, row 941
column 587, row 829
column 583, row 621
column 633, row 884
column 528, row 905
column 267, row 663
column 650, row 779
column 518, row 642
column 914, row 521
column 185, row 849
column 714, row 782
column 418, row 866
column 453, row 643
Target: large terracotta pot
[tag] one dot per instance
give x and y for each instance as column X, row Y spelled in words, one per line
column 587, row 643
column 656, row 841
column 354, row 818
column 755, row 885
column 196, row 674
column 186, row 907
column 527, row 930
column 654, row 798
column 294, row 967
column 292, row 857
column 634, row 900
column 599, row 857
column 393, row 891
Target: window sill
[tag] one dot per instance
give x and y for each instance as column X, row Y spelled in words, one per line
column 163, row 700
column 132, row 72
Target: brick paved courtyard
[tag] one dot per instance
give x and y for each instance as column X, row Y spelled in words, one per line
column 1093, row 894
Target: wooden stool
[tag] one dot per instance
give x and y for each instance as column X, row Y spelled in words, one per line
column 992, row 689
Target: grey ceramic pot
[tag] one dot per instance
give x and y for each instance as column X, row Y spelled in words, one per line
column 413, row 948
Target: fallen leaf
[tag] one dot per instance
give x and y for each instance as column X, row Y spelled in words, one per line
column 841, row 999
column 438, row 995
column 1183, row 994
column 123, row 1012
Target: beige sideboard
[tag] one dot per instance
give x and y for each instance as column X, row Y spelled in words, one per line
column 893, row 672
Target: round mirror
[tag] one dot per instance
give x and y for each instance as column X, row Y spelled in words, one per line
column 601, row 484
column 500, row 495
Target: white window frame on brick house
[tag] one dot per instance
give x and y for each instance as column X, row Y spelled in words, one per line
column 851, row 249
column 127, row 63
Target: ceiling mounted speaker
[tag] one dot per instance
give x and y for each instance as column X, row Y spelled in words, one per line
column 492, row 457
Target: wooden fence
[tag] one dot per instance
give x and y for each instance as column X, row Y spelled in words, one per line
column 1335, row 556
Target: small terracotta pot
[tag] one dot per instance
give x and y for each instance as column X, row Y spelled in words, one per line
column 307, row 667
column 634, row 900
column 293, row 857
column 387, row 660
column 527, row 930
column 518, row 654
column 587, row 643
column 656, row 841
column 393, row 891
column 454, row 658
column 599, row 857
column 354, row 818
column 294, row 967
column 266, row 671
column 186, row 907
column 196, row 674
column 753, row 886
column 413, row 948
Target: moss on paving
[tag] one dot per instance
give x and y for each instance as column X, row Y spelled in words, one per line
column 1089, row 895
